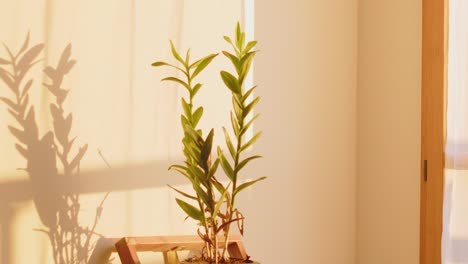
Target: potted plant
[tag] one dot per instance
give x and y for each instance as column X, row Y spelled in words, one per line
column 213, row 204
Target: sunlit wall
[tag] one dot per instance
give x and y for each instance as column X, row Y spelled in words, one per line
column 128, row 118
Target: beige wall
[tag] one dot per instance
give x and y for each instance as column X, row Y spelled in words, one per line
column 306, row 70
column 389, row 131
column 341, row 137
column 316, row 101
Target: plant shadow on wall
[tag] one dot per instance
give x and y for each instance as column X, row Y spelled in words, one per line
column 51, row 157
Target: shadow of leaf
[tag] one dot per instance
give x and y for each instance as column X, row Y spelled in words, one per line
column 58, row 212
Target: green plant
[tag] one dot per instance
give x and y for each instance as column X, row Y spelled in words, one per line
column 215, row 207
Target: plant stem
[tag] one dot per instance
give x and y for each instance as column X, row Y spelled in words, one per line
column 200, row 204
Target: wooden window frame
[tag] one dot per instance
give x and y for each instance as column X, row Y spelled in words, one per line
column 433, row 109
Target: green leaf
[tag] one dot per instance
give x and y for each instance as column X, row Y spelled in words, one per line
column 187, row 57
column 184, row 121
column 237, row 108
column 245, row 65
column 235, row 125
column 241, row 41
column 185, row 151
column 190, row 210
column 250, row 107
column 245, row 185
column 237, row 100
column 196, row 138
column 246, row 161
column 247, row 58
column 220, row 202
column 178, row 166
column 193, row 152
column 187, row 109
column 251, row 142
column 176, row 55
column 250, row 45
column 229, row 144
column 230, row 81
column 203, row 196
column 183, row 193
column 225, row 165
column 206, row 150
column 213, row 169
column 221, row 227
column 239, row 37
column 179, row 81
column 228, row 40
column 235, row 61
column 196, row 172
column 197, row 116
column 219, row 186
column 248, row 93
column 182, row 170
column 246, row 126
column 202, row 63
column 238, row 33
column 195, row 89
column 162, row 63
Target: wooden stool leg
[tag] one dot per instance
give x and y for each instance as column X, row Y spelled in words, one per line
column 127, row 251
column 170, row 257
column 237, row 250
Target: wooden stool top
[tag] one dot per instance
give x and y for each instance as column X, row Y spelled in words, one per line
column 128, row 247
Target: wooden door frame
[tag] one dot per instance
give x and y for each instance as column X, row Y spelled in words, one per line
column 433, row 108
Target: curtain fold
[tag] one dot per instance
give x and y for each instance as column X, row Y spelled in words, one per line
column 455, row 229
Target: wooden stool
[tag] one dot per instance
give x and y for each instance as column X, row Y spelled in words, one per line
column 128, row 247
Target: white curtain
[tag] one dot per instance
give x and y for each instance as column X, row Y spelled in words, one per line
column 455, row 229
column 119, row 107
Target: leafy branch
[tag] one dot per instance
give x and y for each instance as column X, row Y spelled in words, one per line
column 198, row 167
column 243, row 102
